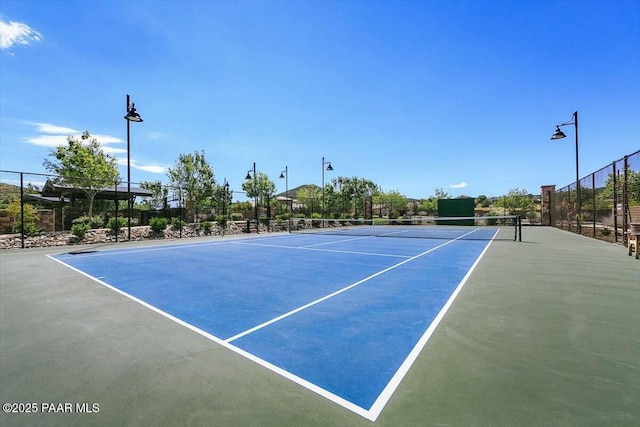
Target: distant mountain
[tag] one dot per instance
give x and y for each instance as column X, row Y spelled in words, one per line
column 8, row 192
column 293, row 192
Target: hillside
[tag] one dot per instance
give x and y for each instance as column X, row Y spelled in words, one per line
column 8, row 192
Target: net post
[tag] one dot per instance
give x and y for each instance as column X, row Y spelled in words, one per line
column 519, row 228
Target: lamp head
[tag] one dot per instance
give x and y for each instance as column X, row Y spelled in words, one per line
column 248, row 176
column 281, row 175
column 132, row 115
column 329, row 168
column 558, row 134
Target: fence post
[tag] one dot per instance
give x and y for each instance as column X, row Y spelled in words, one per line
column 593, row 202
column 116, row 194
column 615, row 202
column 625, row 200
column 22, row 210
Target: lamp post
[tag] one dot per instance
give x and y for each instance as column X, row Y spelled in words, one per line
column 131, row 116
column 285, row 175
column 329, row 168
column 558, row 134
column 255, row 188
column 225, row 198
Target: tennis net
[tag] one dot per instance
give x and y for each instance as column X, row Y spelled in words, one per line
column 460, row 228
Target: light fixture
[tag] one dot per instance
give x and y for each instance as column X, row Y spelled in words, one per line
column 558, row 134
column 131, row 116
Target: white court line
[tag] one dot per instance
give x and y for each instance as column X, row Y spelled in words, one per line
column 310, row 248
column 121, row 251
column 369, row 414
column 393, row 384
column 339, row 291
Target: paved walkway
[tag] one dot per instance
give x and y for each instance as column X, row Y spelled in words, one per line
column 545, row 333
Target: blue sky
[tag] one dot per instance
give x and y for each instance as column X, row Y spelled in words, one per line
column 413, row 95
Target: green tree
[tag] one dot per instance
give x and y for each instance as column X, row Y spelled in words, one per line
column 441, row 194
column 516, row 202
column 633, row 188
column 159, row 194
column 261, row 188
column 482, row 201
column 83, row 164
column 352, row 192
column 393, row 202
column 311, row 197
column 195, row 179
column 30, row 215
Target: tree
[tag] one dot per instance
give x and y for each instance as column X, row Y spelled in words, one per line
column 260, row 187
column 482, row 201
column 516, row 202
column 441, row 194
column 393, row 202
column 31, row 216
column 159, row 193
column 82, row 164
column 310, row 196
column 633, row 188
column 195, row 179
column 352, row 191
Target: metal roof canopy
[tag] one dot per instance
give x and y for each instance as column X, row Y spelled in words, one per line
column 51, row 189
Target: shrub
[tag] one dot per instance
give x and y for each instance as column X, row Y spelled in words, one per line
column 97, row 221
column 264, row 220
column 81, row 220
column 605, row 231
column 316, row 217
column 158, row 224
column 491, row 221
column 119, row 222
column 29, row 228
column 79, row 229
column 206, row 226
column 222, row 221
column 178, row 223
column 237, row 216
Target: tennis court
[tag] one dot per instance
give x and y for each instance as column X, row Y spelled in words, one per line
column 326, row 329
column 343, row 315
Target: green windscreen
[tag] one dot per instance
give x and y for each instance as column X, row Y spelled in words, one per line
column 456, row 207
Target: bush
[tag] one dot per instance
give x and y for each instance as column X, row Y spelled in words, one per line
column 206, row 226
column 29, row 228
column 222, row 221
column 178, row 223
column 605, row 231
column 97, row 221
column 120, row 222
column 237, row 216
column 491, row 221
column 81, row 220
column 158, row 224
column 79, row 229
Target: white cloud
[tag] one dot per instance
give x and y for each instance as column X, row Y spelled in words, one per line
column 17, row 33
column 53, row 136
column 49, row 128
column 460, row 185
column 147, row 168
column 47, row 140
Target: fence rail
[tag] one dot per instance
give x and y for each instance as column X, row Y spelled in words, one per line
column 607, row 198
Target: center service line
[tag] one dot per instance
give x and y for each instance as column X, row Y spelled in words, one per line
column 339, row 291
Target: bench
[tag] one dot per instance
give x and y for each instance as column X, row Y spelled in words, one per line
column 633, row 232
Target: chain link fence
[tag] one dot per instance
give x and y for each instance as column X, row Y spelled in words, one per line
column 36, row 207
column 602, row 204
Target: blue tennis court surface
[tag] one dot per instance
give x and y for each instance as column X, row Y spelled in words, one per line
column 343, row 316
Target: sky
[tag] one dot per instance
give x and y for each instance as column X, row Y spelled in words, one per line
column 461, row 96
